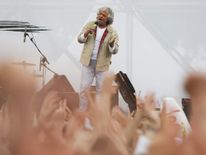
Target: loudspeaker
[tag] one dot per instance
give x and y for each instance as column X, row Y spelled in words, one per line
column 126, row 90
column 60, row 84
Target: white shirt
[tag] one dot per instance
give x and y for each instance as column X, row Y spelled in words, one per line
column 99, row 34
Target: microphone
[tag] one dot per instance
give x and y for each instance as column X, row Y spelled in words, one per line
column 25, row 34
column 96, row 22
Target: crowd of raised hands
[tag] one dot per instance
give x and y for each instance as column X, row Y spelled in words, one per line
column 101, row 130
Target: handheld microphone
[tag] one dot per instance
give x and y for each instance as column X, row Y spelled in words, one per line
column 96, row 23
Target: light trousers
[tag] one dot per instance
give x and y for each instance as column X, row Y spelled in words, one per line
column 87, row 76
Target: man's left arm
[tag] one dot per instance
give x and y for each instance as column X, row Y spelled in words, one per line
column 113, row 43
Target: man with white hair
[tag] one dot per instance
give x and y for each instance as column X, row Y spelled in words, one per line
column 100, row 42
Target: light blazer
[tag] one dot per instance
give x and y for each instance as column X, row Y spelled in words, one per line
column 105, row 51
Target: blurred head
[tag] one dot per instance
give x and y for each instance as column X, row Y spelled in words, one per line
column 104, row 145
column 105, row 16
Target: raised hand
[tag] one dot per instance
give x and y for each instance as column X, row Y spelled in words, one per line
column 89, row 31
column 112, row 41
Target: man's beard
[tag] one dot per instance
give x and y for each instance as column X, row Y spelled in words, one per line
column 100, row 22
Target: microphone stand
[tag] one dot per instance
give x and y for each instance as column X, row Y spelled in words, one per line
column 43, row 60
